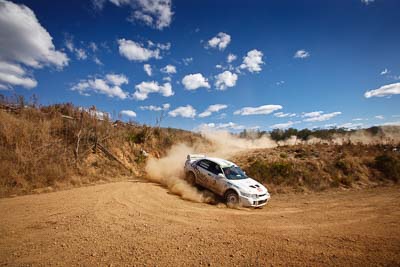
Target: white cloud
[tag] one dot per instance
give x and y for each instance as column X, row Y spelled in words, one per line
column 379, row 117
column 221, row 126
column 221, row 41
column 129, row 113
column 351, row 125
column 97, row 61
column 231, row 58
column 261, row 110
column 187, row 61
column 301, row 54
column 253, row 61
column 169, row 69
column 385, row 71
column 168, row 79
column 367, row 2
column 136, row 52
column 117, row 79
column 154, row 13
column 195, row 81
column 147, row 69
column 319, row 116
column 386, row 90
column 70, row 44
column 184, row 111
column 145, row 88
column 24, row 41
column 15, row 75
column 80, row 54
column 93, row 46
column 211, row 109
column 357, row 119
column 279, row 83
column 284, row 115
column 110, row 86
column 225, row 80
column 283, row 125
column 156, row 108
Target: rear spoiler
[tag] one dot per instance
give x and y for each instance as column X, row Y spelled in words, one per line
column 193, row 157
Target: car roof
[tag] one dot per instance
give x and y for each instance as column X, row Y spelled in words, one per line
column 222, row 162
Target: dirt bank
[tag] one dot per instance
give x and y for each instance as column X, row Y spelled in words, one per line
column 139, row 223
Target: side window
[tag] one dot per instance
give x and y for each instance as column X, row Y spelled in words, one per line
column 204, row 164
column 214, row 168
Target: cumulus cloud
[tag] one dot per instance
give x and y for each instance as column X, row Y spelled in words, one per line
column 156, row 108
column 211, row 109
column 386, row 90
column 284, row 115
column 24, row 42
column 185, row 111
column 231, row 58
column 261, row 110
column 195, row 81
column 169, row 69
column 319, row 116
column 15, row 75
column 129, row 113
column 110, row 85
column 221, row 41
column 147, row 69
column 145, row 88
column 379, row 117
column 253, row 61
column 137, row 52
column 154, row 13
column 301, row 54
column 283, row 125
column 225, row 80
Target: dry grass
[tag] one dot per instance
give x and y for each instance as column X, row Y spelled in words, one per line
column 54, row 146
column 318, row 167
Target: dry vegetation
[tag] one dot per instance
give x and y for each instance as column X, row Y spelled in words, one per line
column 321, row 166
column 62, row 145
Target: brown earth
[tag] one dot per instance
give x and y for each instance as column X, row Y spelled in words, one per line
column 139, row 223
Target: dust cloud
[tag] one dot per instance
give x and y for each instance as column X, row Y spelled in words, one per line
column 168, row 171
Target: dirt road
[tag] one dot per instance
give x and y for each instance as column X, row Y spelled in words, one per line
column 139, row 223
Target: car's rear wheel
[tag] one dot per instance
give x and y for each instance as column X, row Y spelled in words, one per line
column 231, row 198
column 190, row 178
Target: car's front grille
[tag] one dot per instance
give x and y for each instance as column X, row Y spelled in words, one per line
column 261, row 195
column 259, row 202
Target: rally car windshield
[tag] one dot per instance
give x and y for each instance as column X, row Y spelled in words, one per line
column 234, row 173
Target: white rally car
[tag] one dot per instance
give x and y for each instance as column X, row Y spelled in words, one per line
column 225, row 179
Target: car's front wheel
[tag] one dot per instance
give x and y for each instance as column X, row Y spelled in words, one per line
column 190, row 178
column 231, row 198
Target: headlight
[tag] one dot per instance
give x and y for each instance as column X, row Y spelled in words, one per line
column 248, row 195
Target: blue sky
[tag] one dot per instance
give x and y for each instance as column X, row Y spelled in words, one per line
column 292, row 63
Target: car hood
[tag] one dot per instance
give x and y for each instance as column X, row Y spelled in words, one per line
column 249, row 186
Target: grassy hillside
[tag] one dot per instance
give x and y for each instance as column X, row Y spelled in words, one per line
column 63, row 145
column 320, row 166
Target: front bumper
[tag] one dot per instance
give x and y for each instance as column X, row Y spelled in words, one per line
column 254, row 202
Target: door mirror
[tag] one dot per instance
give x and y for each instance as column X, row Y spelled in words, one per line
column 220, row 175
